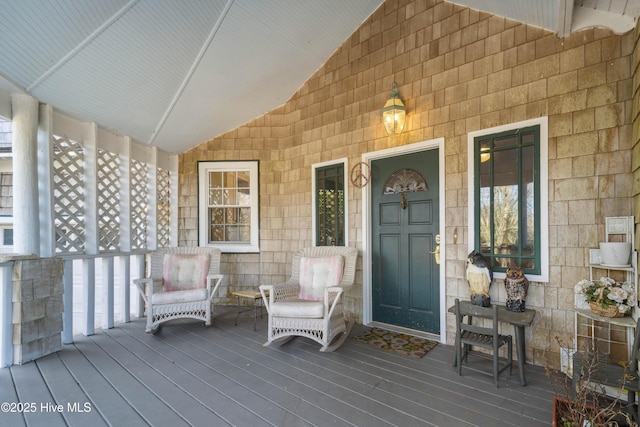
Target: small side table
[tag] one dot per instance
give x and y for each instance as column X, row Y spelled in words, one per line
column 252, row 294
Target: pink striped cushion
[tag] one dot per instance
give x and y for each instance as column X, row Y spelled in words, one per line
column 316, row 274
column 184, row 271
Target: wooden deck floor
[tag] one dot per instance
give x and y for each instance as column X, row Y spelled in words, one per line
column 191, row 375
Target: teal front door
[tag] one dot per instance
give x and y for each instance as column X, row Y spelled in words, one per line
column 405, row 227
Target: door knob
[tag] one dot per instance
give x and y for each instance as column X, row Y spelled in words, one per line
column 436, row 252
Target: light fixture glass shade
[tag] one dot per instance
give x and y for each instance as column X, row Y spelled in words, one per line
column 394, row 113
column 484, row 154
column 485, row 151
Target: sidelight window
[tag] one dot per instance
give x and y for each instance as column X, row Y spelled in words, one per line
column 329, row 204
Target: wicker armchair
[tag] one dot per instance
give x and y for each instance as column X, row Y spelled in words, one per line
column 309, row 304
column 182, row 283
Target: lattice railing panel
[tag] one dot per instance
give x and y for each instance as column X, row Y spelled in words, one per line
column 108, row 200
column 164, row 207
column 68, row 195
column 139, row 204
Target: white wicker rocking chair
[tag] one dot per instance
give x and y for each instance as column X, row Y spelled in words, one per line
column 309, row 304
column 182, row 283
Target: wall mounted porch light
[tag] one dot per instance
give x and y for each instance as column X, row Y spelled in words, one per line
column 394, row 112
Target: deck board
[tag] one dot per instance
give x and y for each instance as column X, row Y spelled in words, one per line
column 445, row 389
column 189, row 374
column 404, row 378
column 191, row 371
column 402, row 392
column 66, row 391
column 161, row 377
column 444, row 386
column 139, row 395
column 260, row 362
column 279, row 398
column 33, row 393
column 350, row 384
column 8, row 394
column 104, row 398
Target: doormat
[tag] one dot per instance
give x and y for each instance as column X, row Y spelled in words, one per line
column 404, row 344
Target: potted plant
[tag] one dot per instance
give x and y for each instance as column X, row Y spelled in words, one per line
column 606, row 297
column 567, row 414
column 586, row 405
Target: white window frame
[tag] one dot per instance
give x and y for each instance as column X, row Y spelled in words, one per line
column 543, row 122
column 5, row 247
column 203, row 185
column 314, row 195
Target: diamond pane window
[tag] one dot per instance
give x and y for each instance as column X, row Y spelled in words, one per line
column 330, row 227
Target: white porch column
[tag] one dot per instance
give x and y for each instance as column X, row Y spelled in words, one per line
column 45, row 182
column 25, row 174
column 173, row 203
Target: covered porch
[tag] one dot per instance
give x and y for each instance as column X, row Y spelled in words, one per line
column 188, row 374
column 103, row 196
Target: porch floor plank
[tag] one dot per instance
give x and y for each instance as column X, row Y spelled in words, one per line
column 139, row 396
column 400, row 382
column 105, row 399
column 66, row 391
column 435, row 385
column 402, row 392
column 32, row 390
column 226, row 400
column 8, row 394
column 269, row 394
column 348, row 384
column 308, row 387
column 447, row 390
column 188, row 374
column 162, row 378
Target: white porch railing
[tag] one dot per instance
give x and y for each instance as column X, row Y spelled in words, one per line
column 6, row 314
column 98, row 292
column 102, row 200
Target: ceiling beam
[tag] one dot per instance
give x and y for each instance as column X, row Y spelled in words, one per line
column 192, row 70
column 565, row 17
column 82, row 45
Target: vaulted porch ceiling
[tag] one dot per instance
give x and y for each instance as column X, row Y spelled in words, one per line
column 174, row 74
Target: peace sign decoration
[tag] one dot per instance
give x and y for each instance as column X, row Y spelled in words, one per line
column 360, row 174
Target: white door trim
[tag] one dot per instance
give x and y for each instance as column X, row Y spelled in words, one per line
column 367, row 316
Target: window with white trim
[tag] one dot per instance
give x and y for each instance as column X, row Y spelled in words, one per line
column 329, row 203
column 508, row 202
column 228, row 205
column 6, row 236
